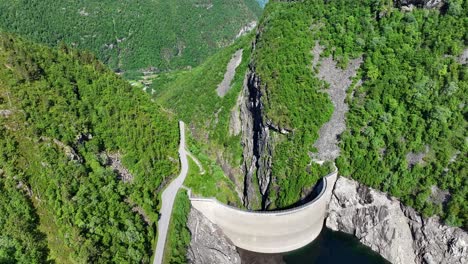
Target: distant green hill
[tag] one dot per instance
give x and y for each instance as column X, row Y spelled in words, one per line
column 133, row 35
column 68, row 129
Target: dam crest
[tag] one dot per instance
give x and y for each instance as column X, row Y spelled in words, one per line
column 270, row 231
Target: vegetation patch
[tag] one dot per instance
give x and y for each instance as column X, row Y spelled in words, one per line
column 192, row 97
column 178, row 239
column 292, row 97
column 20, row 239
column 211, row 182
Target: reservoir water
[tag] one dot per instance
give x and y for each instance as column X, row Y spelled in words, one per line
column 333, row 248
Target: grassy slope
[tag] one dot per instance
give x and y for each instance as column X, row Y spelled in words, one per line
column 178, row 238
column 211, row 183
column 191, row 96
column 132, row 35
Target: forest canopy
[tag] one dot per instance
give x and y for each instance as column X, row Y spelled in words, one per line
column 86, row 150
column 133, row 35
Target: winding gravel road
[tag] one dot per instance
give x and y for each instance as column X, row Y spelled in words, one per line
column 168, row 197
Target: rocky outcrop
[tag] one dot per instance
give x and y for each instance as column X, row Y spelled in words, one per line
column 463, row 59
column 114, row 160
column 246, row 29
column 393, row 230
column 5, row 113
column 235, row 124
column 209, row 244
column 339, row 81
column 69, row 151
column 225, row 84
column 420, row 3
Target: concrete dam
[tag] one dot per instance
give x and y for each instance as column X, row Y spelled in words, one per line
column 270, row 231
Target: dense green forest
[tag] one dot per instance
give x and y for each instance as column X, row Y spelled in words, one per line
column 65, row 121
column 133, row 35
column 413, row 100
column 412, row 103
column 20, row 239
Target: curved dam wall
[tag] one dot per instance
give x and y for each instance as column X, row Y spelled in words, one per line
column 270, row 231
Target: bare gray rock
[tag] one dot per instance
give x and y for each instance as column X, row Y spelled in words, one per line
column 438, row 195
column 421, row 3
column 257, row 144
column 209, row 244
column 235, row 123
column 246, row 29
column 463, row 59
column 114, row 160
column 225, row 84
column 434, row 242
column 5, row 113
column 339, row 80
column 393, row 230
column 416, row 158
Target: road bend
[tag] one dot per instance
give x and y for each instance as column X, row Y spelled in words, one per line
column 168, row 197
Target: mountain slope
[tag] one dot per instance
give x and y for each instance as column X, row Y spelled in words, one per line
column 133, row 35
column 87, row 149
column 406, row 127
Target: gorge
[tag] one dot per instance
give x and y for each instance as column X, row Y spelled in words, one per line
column 393, row 220
column 310, row 131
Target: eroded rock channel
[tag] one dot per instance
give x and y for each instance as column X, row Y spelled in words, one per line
column 257, row 145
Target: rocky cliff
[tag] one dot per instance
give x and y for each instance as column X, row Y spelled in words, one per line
column 209, row 244
column 393, row 230
column 257, row 144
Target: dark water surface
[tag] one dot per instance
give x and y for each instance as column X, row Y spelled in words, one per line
column 334, row 248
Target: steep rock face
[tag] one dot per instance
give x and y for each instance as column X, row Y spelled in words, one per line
column 257, row 144
column 393, row 230
column 209, row 244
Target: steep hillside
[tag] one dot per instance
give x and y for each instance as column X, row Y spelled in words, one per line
column 381, row 79
column 133, row 35
column 192, row 96
column 83, row 155
column 406, row 126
